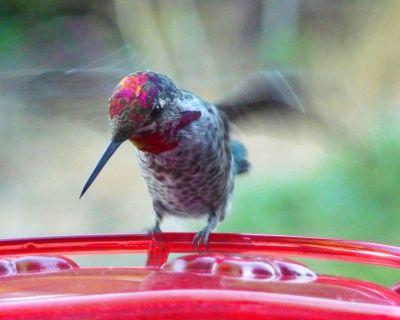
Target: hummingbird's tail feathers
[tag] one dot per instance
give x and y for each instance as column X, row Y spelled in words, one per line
column 261, row 92
column 240, row 161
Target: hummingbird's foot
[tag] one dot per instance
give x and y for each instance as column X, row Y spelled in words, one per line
column 155, row 233
column 155, row 229
column 159, row 218
column 200, row 240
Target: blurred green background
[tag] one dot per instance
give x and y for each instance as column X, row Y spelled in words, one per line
column 59, row 61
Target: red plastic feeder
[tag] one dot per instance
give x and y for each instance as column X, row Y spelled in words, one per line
column 240, row 277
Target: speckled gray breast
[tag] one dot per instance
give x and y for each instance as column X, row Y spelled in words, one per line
column 195, row 178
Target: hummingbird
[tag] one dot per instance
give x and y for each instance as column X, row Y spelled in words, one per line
column 183, row 143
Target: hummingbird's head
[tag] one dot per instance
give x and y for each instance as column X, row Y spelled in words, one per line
column 138, row 102
column 144, row 109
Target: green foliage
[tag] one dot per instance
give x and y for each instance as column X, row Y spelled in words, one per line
column 354, row 196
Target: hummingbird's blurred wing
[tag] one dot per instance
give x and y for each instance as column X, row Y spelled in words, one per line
column 261, row 92
column 73, row 84
column 51, row 86
column 294, row 101
column 79, row 94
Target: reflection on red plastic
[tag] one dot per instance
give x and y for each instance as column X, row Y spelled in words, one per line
column 244, row 267
column 29, row 264
column 217, row 271
column 396, row 288
column 242, row 277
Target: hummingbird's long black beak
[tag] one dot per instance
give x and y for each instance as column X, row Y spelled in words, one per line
column 112, row 147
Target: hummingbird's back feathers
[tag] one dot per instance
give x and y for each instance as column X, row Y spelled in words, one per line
column 261, row 92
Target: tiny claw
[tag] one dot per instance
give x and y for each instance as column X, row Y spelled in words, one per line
column 196, row 243
column 155, row 229
column 200, row 240
column 155, row 232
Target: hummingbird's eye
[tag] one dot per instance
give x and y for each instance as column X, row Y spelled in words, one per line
column 156, row 112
